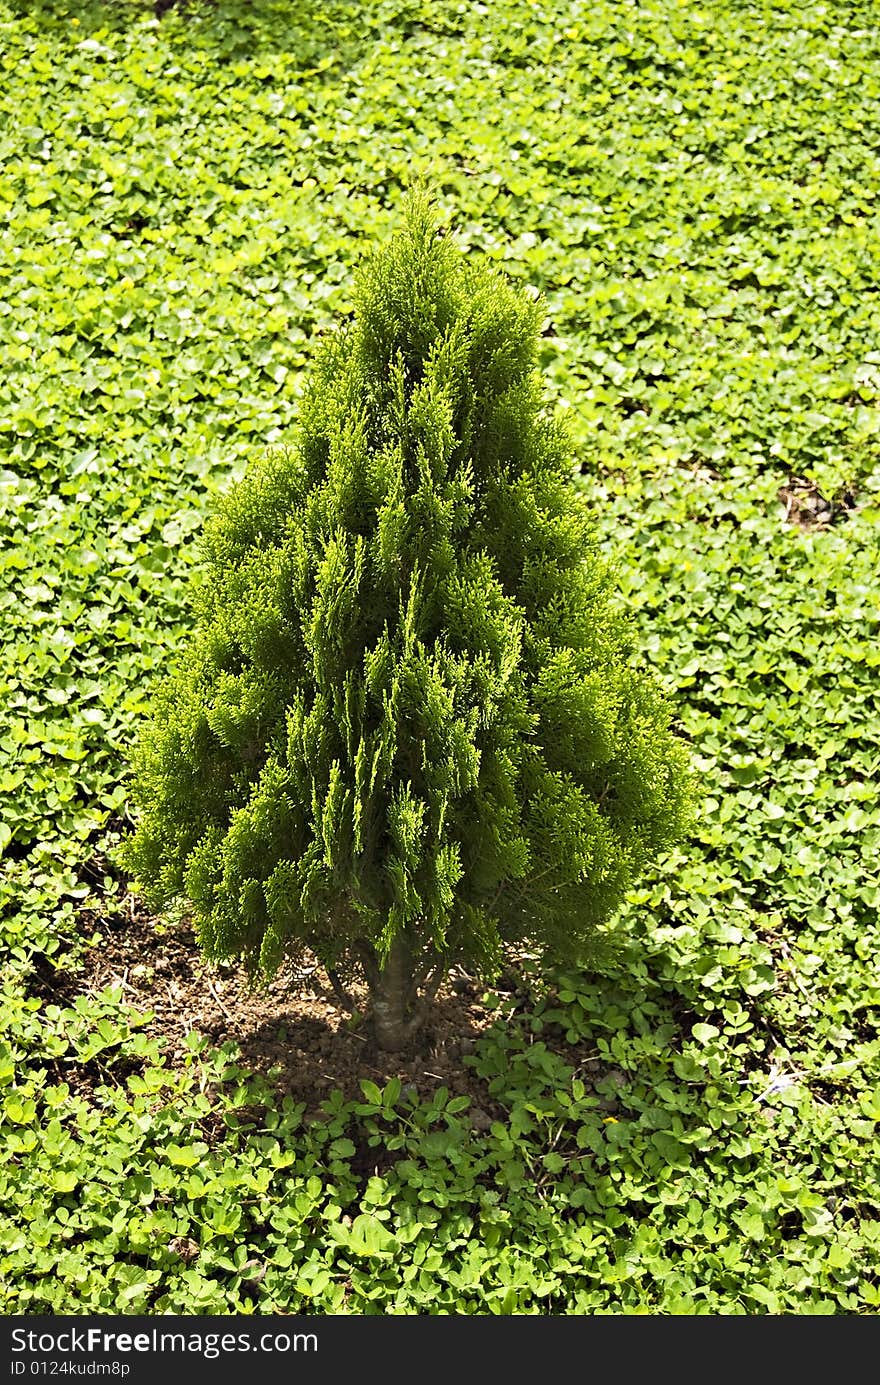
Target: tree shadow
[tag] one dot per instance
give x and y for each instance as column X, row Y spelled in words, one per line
column 306, row 1056
column 290, row 1031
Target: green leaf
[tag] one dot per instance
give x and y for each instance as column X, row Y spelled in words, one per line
column 365, row 1237
column 185, row 1156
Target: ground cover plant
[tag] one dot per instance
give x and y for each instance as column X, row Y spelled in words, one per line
column 690, row 187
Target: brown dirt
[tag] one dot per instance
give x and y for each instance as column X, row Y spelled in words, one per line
column 807, row 508
column 291, row 1031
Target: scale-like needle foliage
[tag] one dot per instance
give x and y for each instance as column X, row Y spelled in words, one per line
column 410, row 725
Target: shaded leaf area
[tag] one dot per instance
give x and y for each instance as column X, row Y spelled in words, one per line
column 691, row 189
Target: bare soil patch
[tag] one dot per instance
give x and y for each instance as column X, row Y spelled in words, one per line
column 291, row 1031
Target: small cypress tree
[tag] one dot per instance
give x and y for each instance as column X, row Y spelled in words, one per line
column 409, row 728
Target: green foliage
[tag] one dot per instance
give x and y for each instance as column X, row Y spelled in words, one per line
column 631, row 1170
column 409, row 710
column 691, row 188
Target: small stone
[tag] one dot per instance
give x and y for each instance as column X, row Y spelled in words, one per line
column 186, row 1248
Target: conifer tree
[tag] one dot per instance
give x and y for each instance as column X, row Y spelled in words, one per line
column 411, row 727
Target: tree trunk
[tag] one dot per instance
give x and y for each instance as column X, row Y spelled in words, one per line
column 391, row 995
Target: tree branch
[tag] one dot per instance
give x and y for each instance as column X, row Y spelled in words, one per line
column 425, row 1000
column 367, row 959
column 346, row 1000
column 432, row 985
column 421, row 975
